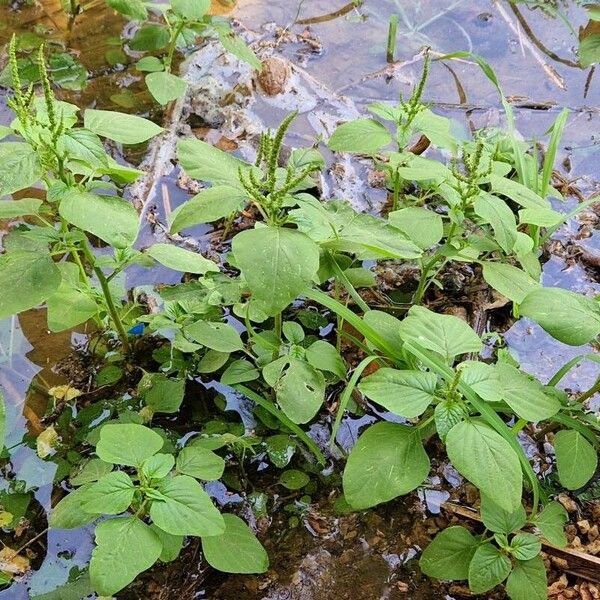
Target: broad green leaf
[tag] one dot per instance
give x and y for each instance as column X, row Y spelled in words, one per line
column 280, row 449
column 136, row 9
column 449, row 554
column 447, row 414
column 216, row 335
column 165, row 87
column 542, row 217
column 82, row 144
column 405, row 393
column 68, row 306
column 110, row 495
column 212, row 361
column 498, row 520
column 75, row 589
column 567, row 316
column 207, row 163
column 209, row 205
column 293, row 479
column 364, row 136
column 387, row 461
column 11, row 209
column 125, row 547
column 187, row 510
column 236, row 45
column 488, row 568
column 440, row 131
column 511, row 282
column 487, row 460
column 200, row 463
column 236, row 550
column 149, row 38
column 445, row 334
column 524, row 395
column 528, row 580
column 90, row 471
column 158, row 466
column 26, row 280
column 68, row 513
column 19, row 167
column 323, row 356
column 482, row 378
column 150, row 64
column 161, row 393
column 192, row 10
column 239, row 371
column 496, row 212
column 300, row 391
column 551, row 522
column 386, row 325
column 589, row 44
column 171, row 544
column 120, row 127
column 422, row 226
column 180, row 259
column 576, row 459
column 525, row 546
column 112, row 219
column 127, row 443
column 267, row 255
column 517, row 191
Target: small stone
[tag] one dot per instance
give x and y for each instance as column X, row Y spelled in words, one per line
column 274, row 76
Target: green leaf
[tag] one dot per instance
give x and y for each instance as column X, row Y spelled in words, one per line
column 525, row 546
column 323, row 356
column 524, row 395
column 182, row 260
column 483, row 378
column 517, row 192
column 192, row 10
column 300, row 391
column 187, row 510
column 135, row 9
column 487, row 460
column 498, row 520
column 449, row 554
column 405, row 393
column 200, row 463
column 19, row 167
column 26, row 280
column 68, row 513
column 125, row 547
column 496, row 212
column 589, row 45
column 165, row 87
column 110, row 495
column 567, row 316
column 11, row 209
column 275, row 254
column 212, row 361
column 280, row 449
column 551, row 522
column 218, row 336
column 120, row 127
column 292, row 479
column 511, row 282
column 110, row 218
column 150, row 64
column 364, row 136
column 171, row 544
column 127, row 443
column 422, row 226
column 488, row 568
column 576, row 459
column 84, row 145
column 542, row 217
column 90, row 471
column 387, row 461
column 236, row 550
column 149, row 38
column 68, row 306
column 207, row 163
column 528, row 580
column 239, row 371
column 441, row 131
column 158, row 466
column 445, row 334
column 209, row 205
column 161, row 393
column 234, row 44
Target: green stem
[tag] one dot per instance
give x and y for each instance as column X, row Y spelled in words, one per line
column 391, row 41
column 173, row 45
column 592, row 391
column 423, row 281
column 110, row 305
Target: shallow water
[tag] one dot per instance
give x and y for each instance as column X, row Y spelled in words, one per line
column 346, row 57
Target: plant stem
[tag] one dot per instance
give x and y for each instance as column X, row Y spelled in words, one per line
column 593, row 390
column 110, row 305
column 173, row 45
column 396, row 198
column 391, row 41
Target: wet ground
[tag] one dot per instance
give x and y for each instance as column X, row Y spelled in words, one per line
column 337, row 65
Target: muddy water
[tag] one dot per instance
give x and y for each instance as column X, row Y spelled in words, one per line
column 340, row 53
